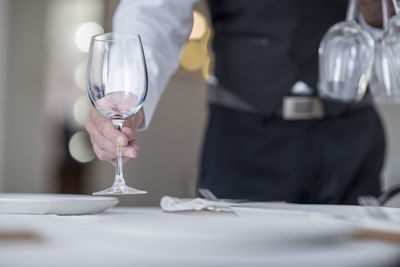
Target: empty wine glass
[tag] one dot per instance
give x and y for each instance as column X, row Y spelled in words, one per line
column 117, row 86
column 393, row 25
column 385, row 81
column 346, row 54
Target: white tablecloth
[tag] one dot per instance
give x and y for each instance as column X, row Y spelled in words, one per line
column 150, row 237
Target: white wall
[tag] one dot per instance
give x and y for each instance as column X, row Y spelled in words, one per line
column 4, row 9
column 25, row 126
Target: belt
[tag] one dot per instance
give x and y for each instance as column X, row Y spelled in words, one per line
column 293, row 107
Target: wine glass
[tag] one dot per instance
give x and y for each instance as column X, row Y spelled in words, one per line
column 385, row 81
column 116, row 82
column 381, row 82
column 346, row 55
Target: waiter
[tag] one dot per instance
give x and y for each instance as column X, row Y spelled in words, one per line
column 269, row 136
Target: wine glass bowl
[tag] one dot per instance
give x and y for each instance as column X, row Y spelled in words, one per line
column 346, row 56
column 116, row 83
column 118, row 105
column 385, row 81
column 381, row 84
column 393, row 27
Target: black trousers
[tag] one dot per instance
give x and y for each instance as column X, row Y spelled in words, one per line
column 329, row 161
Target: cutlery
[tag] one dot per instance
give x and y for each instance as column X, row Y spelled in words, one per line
column 373, row 207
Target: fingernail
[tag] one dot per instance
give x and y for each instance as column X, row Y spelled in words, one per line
column 130, row 153
column 120, row 140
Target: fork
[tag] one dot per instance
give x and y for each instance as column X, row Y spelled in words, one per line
column 207, row 194
column 373, row 207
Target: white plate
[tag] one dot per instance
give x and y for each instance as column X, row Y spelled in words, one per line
column 59, row 204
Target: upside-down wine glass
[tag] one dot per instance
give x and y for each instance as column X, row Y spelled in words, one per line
column 385, row 82
column 346, row 54
column 116, row 82
column 381, row 84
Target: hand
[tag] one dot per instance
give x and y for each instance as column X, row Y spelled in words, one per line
column 371, row 11
column 105, row 137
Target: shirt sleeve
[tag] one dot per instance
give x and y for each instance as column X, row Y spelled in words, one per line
column 164, row 27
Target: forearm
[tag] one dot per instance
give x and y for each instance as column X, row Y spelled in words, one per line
column 164, row 26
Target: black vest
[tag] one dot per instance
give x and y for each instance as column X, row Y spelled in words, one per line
column 263, row 47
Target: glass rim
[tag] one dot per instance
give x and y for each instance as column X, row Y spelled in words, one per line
column 126, row 35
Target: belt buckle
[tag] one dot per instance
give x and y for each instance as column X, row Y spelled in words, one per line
column 302, row 108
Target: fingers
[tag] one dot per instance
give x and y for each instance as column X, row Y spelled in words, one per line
column 97, row 138
column 106, row 128
column 102, row 154
column 124, row 159
column 131, row 150
column 128, row 152
column 104, row 138
column 128, row 132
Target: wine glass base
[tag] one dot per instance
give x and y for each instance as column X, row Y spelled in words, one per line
column 120, row 190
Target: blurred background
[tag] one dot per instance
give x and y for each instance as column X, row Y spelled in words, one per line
column 44, row 107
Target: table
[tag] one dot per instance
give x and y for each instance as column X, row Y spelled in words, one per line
column 134, row 236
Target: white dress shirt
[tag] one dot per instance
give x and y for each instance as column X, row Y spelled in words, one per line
column 164, row 26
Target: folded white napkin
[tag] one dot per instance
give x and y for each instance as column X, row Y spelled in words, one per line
column 168, row 203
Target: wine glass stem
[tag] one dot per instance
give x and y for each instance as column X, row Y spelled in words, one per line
column 351, row 10
column 119, row 175
column 385, row 14
column 396, row 6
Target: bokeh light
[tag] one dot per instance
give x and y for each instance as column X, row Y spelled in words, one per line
column 205, row 69
column 195, row 55
column 83, row 34
column 79, row 147
column 199, row 26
